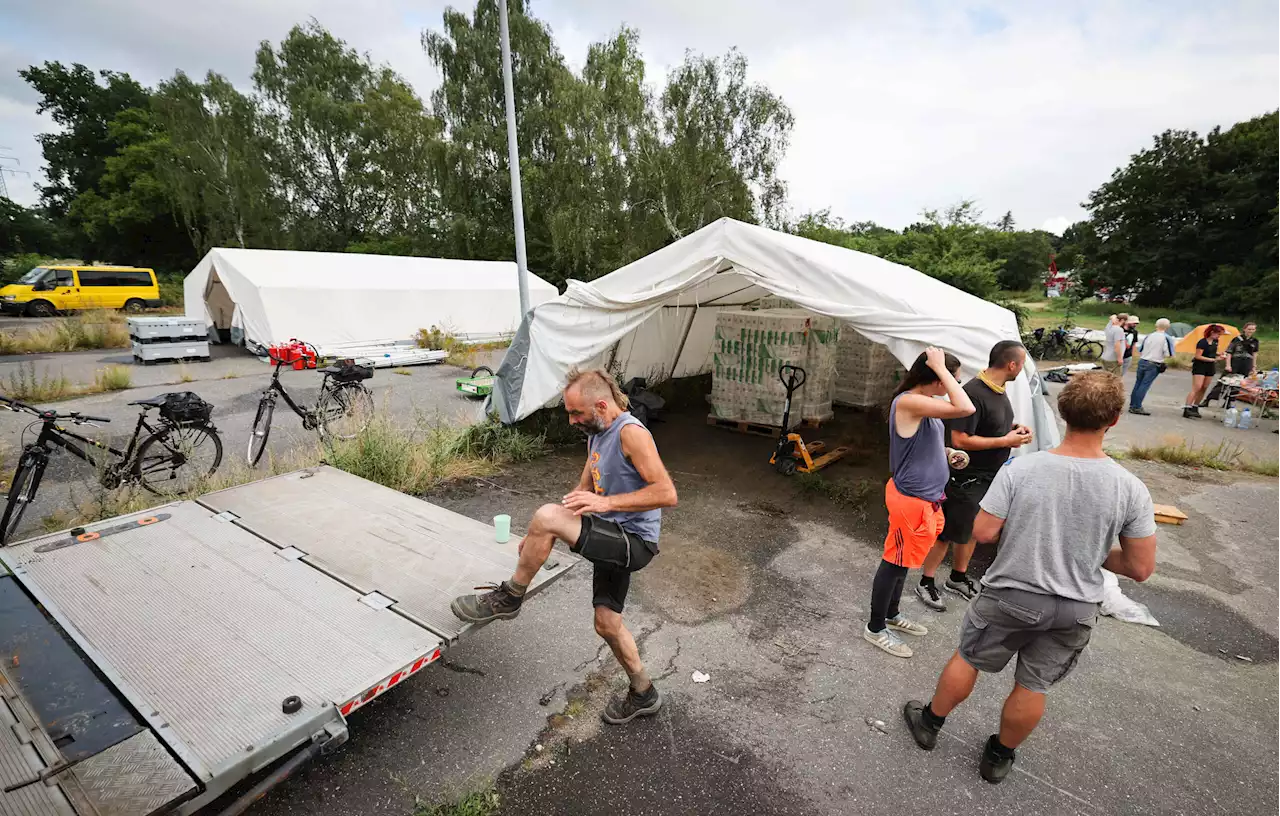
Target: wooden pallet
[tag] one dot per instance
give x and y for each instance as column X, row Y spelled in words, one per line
column 754, row 428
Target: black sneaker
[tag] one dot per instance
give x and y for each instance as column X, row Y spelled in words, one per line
column 500, row 602
column 1140, row 411
column 926, row 736
column 930, row 597
column 626, row 707
column 996, row 764
column 1190, row 413
column 964, row 588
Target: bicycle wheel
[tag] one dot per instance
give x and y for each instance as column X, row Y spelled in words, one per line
column 344, row 410
column 26, row 480
column 261, row 430
column 175, row 460
column 1089, row 351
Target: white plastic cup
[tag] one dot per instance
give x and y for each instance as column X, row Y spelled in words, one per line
column 502, row 528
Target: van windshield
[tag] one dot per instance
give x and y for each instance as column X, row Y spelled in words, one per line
column 34, row 275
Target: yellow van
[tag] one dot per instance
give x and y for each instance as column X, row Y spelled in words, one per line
column 46, row 290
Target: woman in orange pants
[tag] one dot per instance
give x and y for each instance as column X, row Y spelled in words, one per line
column 913, row 496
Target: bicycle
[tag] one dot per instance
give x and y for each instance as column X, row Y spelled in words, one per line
column 1057, row 344
column 178, row 451
column 343, row 409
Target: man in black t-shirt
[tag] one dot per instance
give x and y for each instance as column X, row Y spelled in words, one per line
column 988, row 435
column 1242, row 352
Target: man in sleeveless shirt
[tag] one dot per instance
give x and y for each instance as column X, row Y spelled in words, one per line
column 611, row 518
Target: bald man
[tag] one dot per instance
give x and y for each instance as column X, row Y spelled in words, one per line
column 612, row 518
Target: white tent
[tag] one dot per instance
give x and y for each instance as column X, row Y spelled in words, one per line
column 656, row 316
column 327, row 298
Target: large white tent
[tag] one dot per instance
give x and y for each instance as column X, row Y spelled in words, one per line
column 656, row 317
column 327, row 298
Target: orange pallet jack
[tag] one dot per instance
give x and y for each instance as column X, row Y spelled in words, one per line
column 793, row 453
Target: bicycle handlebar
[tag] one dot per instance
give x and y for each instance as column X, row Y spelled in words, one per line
column 74, row 416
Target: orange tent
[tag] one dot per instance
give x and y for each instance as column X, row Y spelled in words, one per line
column 1187, row 345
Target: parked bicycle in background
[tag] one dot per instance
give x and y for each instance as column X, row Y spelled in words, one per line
column 1061, row 344
column 180, row 449
column 343, row 409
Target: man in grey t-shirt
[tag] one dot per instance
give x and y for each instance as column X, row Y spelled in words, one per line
column 1113, row 344
column 1057, row 515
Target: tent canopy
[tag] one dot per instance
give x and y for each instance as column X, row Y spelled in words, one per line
column 336, row 297
column 656, row 317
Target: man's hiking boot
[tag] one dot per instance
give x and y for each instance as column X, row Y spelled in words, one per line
column 925, row 735
column 626, row 707
column 997, row 761
column 499, row 602
column 964, row 588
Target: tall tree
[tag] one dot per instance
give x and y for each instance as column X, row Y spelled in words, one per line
column 215, row 169
column 76, row 156
column 349, row 140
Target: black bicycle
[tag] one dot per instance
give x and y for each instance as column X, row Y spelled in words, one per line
column 180, row 448
column 343, row 409
column 1058, row 344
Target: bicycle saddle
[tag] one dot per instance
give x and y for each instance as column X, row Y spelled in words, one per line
column 151, row 402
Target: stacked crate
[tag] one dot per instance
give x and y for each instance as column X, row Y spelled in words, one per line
column 162, row 339
column 866, row 372
column 748, row 350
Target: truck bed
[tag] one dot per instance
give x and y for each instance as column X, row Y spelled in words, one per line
column 203, row 618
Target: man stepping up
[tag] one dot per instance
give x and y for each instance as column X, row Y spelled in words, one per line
column 611, row 518
column 1061, row 517
column 988, row 434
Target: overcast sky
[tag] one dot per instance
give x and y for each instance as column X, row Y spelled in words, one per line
column 899, row 106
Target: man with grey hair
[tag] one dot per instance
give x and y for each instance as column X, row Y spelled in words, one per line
column 611, row 518
column 1152, row 352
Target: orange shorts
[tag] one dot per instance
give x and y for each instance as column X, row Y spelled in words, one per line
column 914, row 525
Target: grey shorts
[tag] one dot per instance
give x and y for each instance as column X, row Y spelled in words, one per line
column 1046, row 632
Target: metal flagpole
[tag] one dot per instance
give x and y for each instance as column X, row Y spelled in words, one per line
column 513, row 158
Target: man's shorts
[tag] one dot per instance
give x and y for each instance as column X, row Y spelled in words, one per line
column 914, row 525
column 615, row 554
column 1046, row 632
column 964, row 495
column 1112, row 366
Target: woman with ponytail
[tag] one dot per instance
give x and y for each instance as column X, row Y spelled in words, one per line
column 914, row 493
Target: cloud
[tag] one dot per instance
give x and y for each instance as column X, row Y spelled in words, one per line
column 899, row 106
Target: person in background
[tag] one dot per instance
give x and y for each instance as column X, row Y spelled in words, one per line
column 913, row 495
column 1242, row 352
column 1130, row 342
column 1154, row 349
column 988, row 435
column 1058, row 516
column 1203, row 369
column 1113, row 344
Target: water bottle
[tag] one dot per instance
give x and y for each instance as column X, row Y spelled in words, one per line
column 1231, row 417
column 1246, row 420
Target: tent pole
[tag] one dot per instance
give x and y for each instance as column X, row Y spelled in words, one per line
column 684, row 339
column 513, row 160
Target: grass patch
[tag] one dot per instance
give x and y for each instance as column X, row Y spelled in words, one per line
column 184, row 374
column 403, row 372
column 1225, row 456
column 99, row 329
column 28, row 385
column 460, row 353
column 860, row 495
column 113, row 378
column 479, row 803
column 426, row 456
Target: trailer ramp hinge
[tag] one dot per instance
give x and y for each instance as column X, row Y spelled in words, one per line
column 376, row 600
column 226, row 515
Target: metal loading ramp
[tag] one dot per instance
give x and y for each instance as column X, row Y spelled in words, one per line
column 206, row 617
column 417, row 557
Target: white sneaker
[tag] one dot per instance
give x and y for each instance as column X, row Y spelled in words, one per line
column 907, row 627
column 888, row 641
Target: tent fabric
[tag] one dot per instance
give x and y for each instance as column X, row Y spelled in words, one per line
column 656, row 316
column 331, row 297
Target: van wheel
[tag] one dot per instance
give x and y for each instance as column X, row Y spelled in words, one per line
column 40, row 308
column 134, row 306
